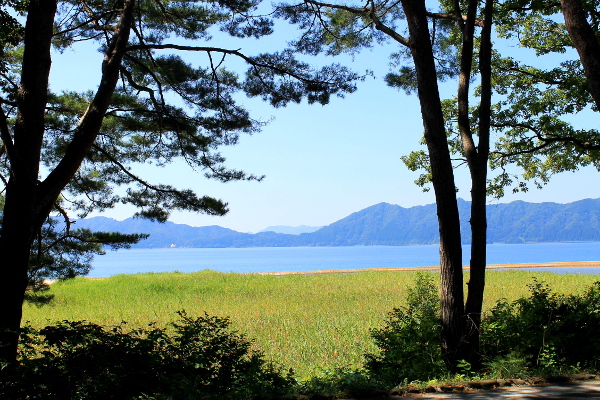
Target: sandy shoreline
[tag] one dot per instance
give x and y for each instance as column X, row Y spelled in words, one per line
column 570, row 264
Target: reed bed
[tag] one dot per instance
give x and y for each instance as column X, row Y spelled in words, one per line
column 306, row 322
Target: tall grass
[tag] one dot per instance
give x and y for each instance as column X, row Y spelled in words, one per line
column 305, row 322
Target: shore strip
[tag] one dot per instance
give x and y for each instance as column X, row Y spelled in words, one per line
column 568, row 264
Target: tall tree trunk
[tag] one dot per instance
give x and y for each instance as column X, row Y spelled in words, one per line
column 18, row 225
column 585, row 42
column 477, row 159
column 443, row 182
column 28, row 202
column 474, row 303
column 476, row 284
column 15, row 245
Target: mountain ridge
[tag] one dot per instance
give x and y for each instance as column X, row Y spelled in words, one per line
column 383, row 224
column 291, row 230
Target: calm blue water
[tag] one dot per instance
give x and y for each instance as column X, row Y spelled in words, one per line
column 277, row 259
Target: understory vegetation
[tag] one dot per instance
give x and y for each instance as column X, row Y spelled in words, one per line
column 320, row 334
column 198, row 358
column 541, row 333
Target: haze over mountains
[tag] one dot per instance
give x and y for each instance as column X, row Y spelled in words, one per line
column 383, row 224
column 291, row 230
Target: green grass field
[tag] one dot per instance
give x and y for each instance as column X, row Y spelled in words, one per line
column 305, row 322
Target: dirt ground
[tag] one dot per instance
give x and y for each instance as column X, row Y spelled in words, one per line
column 588, row 389
column 572, row 387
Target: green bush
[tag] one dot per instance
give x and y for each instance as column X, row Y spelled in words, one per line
column 512, row 365
column 195, row 358
column 342, row 381
column 409, row 343
column 544, row 332
column 550, row 331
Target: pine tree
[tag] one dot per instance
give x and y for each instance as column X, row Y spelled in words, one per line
column 69, row 152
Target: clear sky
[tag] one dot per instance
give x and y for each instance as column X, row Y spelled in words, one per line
column 321, row 163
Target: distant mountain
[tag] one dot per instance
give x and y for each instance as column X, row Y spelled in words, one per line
column 383, row 224
column 291, row 230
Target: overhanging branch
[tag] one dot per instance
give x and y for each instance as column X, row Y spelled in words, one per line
column 236, row 53
column 546, row 141
column 454, row 17
column 353, row 10
column 91, row 121
column 385, row 29
column 369, row 11
column 11, row 152
column 136, row 178
column 140, row 88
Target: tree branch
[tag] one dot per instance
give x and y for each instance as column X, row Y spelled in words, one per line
column 539, row 79
column 94, row 19
column 485, row 71
column 67, row 221
column 149, row 72
column 136, row 178
column 91, row 121
column 466, row 68
column 356, row 11
column 11, row 152
column 237, row 53
column 141, row 88
column 547, row 141
column 385, row 29
column 15, row 87
column 454, row 17
column 369, row 11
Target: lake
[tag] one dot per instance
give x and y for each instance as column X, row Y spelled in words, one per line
column 281, row 259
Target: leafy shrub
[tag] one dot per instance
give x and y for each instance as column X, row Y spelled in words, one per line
column 338, row 381
column 549, row 330
column 506, row 366
column 409, row 343
column 196, row 358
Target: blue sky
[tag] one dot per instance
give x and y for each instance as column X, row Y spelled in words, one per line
column 321, row 162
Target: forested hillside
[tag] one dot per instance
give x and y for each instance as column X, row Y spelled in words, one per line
column 384, row 225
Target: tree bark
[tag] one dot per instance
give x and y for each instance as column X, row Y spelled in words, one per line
column 29, row 202
column 18, row 226
column 91, row 121
column 477, row 160
column 474, row 302
column 452, row 300
column 585, row 42
column 471, row 322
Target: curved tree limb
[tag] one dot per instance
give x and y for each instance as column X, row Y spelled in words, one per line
column 90, row 123
column 251, row 61
column 385, row 29
column 9, row 145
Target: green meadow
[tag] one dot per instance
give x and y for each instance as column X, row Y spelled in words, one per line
column 309, row 323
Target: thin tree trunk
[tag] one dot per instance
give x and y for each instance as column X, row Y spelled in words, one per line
column 443, row 181
column 472, row 321
column 476, row 282
column 478, row 221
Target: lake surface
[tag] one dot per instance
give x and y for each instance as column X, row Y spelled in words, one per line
column 280, row 259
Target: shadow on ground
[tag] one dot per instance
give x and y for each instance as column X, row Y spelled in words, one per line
column 589, row 389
